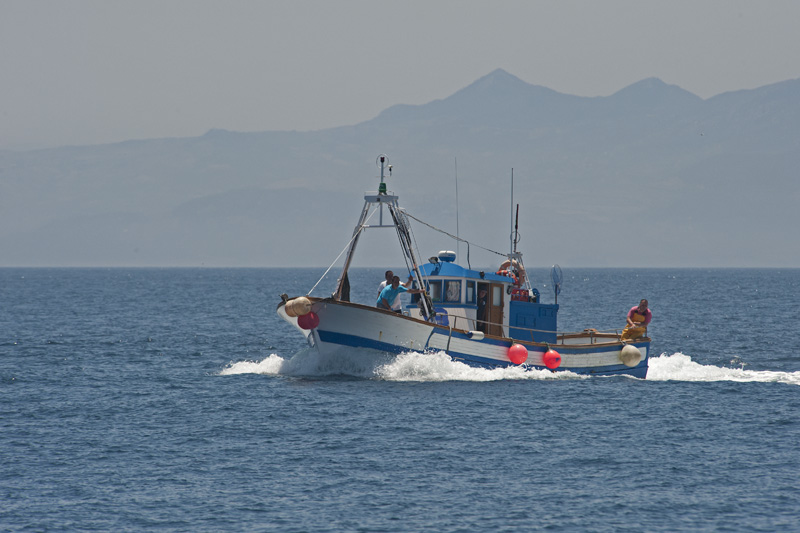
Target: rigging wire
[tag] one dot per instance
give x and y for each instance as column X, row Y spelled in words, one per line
column 401, row 227
column 416, row 246
column 411, row 238
column 405, row 235
column 453, row 236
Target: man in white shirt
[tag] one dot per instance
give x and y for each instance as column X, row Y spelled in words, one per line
column 388, row 281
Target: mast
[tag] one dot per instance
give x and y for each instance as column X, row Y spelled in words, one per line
column 377, row 201
column 512, row 215
column 514, row 256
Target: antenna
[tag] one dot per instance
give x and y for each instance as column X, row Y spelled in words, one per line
column 382, row 161
column 458, row 241
column 512, row 211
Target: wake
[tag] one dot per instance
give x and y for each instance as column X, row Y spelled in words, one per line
column 680, row 367
column 438, row 367
column 369, row 364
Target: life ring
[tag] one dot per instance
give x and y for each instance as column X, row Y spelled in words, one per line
column 516, row 265
column 508, row 274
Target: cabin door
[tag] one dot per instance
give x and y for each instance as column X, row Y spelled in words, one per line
column 495, row 309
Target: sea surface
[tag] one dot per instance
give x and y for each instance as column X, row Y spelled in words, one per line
column 176, row 400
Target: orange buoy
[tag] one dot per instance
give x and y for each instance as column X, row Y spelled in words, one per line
column 517, row 354
column 552, row 359
column 309, row 320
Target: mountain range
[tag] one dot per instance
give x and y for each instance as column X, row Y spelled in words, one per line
column 651, row 176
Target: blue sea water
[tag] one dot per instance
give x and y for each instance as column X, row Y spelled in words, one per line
column 176, row 400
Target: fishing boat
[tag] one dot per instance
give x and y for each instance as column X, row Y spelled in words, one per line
column 483, row 318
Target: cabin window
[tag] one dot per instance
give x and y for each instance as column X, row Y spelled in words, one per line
column 452, row 291
column 470, row 292
column 435, row 291
column 497, row 294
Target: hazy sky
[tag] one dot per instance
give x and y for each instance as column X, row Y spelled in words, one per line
column 84, row 72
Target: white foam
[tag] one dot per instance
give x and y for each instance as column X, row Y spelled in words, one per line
column 271, row 365
column 433, row 367
column 370, row 364
column 415, row 366
column 308, row 362
column 680, row 367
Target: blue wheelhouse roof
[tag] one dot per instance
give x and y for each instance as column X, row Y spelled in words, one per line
column 452, row 270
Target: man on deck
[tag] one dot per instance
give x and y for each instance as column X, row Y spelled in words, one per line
column 388, row 281
column 390, row 292
column 638, row 318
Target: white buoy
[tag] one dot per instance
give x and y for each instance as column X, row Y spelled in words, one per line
column 298, row 306
column 630, row 355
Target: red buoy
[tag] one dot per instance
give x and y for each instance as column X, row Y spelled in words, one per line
column 552, row 359
column 517, row 354
column 308, row 321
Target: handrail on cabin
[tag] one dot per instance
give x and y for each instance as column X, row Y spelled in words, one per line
column 473, row 322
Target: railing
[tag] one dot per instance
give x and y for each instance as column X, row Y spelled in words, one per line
column 471, row 324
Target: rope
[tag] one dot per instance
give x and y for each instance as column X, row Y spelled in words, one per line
column 346, row 246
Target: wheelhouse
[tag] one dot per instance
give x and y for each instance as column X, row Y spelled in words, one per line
column 488, row 302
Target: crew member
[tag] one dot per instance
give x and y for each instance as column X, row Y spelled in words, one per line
column 390, row 292
column 388, row 281
column 638, row 318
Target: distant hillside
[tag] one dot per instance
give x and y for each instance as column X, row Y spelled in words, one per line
column 649, row 176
